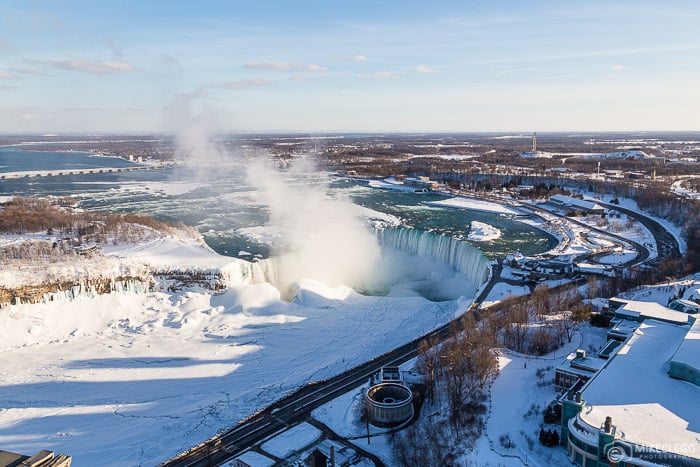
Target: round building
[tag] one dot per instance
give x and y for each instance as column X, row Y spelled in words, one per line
column 389, row 404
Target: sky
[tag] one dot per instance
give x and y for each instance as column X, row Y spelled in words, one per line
column 367, row 66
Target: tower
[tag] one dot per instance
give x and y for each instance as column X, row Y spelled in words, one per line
column 534, row 142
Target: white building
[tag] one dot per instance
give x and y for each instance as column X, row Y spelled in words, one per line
column 638, row 410
column 567, row 202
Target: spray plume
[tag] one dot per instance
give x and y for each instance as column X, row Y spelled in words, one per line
column 322, row 238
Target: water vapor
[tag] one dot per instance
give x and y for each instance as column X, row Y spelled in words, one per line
column 323, row 238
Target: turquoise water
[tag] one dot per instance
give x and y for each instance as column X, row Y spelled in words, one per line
column 412, row 209
column 17, row 159
column 219, row 202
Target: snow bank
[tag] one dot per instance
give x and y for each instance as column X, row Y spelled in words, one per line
column 474, row 204
column 292, row 440
column 390, row 184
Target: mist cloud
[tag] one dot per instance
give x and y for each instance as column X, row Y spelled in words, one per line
column 325, row 238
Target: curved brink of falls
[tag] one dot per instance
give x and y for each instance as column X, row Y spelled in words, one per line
column 459, row 255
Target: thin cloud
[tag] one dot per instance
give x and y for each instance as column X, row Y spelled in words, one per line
column 424, row 69
column 313, row 68
column 242, row 84
column 617, row 67
column 354, row 58
column 284, row 66
column 303, row 78
column 30, row 70
column 94, row 66
column 385, row 75
column 6, row 75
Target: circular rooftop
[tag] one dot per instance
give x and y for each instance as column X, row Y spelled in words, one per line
column 389, row 403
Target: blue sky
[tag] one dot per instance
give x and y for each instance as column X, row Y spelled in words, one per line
column 319, row 66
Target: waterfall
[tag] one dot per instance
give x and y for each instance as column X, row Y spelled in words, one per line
column 281, row 271
column 458, row 254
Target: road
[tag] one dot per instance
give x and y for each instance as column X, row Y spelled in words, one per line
column 666, row 244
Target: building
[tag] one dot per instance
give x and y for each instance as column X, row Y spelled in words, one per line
column 588, row 268
column 390, row 374
column 685, row 364
column 642, row 408
column 575, row 204
column 389, row 401
column 633, row 310
column 577, row 366
column 685, row 306
column 621, row 329
column 41, row 459
column 552, row 270
column 421, row 183
column 316, row 459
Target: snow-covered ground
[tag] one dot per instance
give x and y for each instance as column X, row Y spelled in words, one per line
column 157, row 251
column 502, row 290
column 447, row 157
column 390, row 184
column 475, row 204
column 574, row 239
column 687, row 288
column 292, row 440
column 135, row 379
column 678, row 188
column 127, row 379
column 579, row 240
column 523, row 388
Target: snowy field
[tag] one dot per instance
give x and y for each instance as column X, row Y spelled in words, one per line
column 129, row 379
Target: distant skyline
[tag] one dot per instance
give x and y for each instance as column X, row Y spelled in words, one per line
column 367, row 66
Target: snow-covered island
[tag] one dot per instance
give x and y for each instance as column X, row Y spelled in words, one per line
column 482, row 232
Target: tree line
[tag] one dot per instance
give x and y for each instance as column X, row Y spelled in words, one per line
column 22, row 215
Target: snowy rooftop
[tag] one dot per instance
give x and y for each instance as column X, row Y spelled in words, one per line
column 647, row 406
column 567, row 200
column 581, row 365
column 623, row 327
column 689, row 351
column 641, row 310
